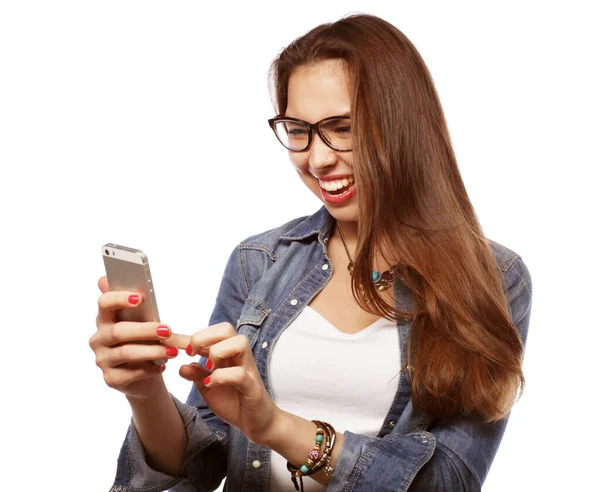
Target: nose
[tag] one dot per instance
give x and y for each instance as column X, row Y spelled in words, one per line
column 320, row 154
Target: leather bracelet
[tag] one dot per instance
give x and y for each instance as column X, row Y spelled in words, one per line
column 316, row 461
column 325, row 459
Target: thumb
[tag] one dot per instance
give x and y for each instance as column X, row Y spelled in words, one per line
column 194, row 372
column 103, row 284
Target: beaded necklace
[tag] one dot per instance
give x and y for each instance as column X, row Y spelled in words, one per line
column 382, row 281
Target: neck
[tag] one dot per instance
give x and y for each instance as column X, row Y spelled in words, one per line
column 350, row 231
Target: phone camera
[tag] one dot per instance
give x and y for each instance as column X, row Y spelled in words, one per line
column 106, row 252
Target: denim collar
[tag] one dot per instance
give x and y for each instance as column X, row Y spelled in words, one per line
column 321, row 223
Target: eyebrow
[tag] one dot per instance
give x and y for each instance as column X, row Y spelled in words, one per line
column 346, row 114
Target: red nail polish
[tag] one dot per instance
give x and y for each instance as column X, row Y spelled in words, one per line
column 133, row 299
column 209, row 364
column 163, row 331
column 188, row 349
column 206, row 380
column 172, row 351
column 163, row 367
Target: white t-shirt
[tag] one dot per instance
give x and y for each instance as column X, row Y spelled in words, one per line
column 318, row 372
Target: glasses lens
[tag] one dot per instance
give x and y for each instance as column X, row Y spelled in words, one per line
column 337, row 132
column 293, row 135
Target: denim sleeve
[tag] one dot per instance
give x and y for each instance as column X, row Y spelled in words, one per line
column 204, row 463
column 453, row 457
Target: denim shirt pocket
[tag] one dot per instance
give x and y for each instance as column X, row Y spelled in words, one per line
column 254, row 312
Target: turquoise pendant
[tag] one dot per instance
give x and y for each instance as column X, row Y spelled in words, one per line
column 376, row 276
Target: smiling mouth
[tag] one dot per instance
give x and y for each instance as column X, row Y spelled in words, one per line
column 337, row 187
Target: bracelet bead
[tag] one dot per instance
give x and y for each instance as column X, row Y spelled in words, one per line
column 313, row 454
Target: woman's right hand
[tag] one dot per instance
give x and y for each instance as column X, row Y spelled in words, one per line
column 121, row 349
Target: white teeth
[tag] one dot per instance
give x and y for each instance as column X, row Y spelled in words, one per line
column 337, row 184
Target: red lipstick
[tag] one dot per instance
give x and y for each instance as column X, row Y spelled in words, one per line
column 336, row 199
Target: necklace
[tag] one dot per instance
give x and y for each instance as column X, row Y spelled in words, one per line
column 382, row 281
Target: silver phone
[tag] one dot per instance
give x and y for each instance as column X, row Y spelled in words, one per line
column 128, row 269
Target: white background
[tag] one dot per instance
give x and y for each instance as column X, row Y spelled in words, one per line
column 144, row 123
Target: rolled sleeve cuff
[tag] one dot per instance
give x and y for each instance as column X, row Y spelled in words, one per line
column 139, row 476
column 390, row 463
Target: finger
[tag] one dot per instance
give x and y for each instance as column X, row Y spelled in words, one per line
column 211, row 335
column 103, row 284
column 194, row 372
column 130, row 331
column 111, row 301
column 121, row 377
column 236, row 349
column 179, row 341
column 133, row 352
column 244, row 381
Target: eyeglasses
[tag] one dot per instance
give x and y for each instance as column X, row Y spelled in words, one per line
column 297, row 135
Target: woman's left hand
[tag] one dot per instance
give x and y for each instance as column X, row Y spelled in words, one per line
column 234, row 391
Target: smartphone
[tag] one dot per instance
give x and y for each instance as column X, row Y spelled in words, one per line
column 128, row 269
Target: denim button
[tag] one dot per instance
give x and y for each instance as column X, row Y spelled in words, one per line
column 325, row 266
column 264, row 345
column 392, row 424
column 256, row 464
column 293, row 302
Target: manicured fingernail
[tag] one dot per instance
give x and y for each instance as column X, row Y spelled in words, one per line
column 188, row 349
column 133, row 299
column 163, row 367
column 163, row 331
column 209, row 364
column 206, row 380
column 172, row 351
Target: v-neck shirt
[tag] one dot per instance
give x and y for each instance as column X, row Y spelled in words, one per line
column 358, row 378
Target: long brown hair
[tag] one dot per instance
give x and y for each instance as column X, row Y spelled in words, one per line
column 414, row 210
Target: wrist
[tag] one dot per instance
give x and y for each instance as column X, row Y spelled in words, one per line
column 155, row 390
column 286, row 429
column 277, row 430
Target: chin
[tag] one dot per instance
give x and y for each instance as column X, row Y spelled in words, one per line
column 347, row 213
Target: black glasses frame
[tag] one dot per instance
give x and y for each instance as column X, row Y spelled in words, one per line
column 312, row 128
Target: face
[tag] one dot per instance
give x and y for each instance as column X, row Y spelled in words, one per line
column 316, row 92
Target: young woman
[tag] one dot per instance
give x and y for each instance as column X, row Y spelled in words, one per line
column 375, row 345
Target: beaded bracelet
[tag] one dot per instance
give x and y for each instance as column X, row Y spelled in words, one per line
column 316, row 461
column 324, row 462
column 313, row 455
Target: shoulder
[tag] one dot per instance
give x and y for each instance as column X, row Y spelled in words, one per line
column 505, row 257
column 511, row 265
column 517, row 283
column 271, row 237
column 269, row 254
column 298, row 228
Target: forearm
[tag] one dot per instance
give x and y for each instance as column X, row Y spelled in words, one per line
column 293, row 437
column 160, row 429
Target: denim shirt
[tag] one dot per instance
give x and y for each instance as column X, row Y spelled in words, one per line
column 268, row 281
